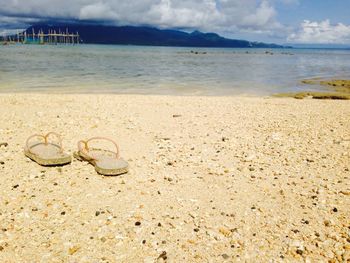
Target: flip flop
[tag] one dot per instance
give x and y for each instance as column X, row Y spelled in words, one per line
column 106, row 162
column 46, row 153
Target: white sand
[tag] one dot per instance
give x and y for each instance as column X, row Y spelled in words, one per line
column 231, row 179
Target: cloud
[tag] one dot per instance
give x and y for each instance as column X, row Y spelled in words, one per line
column 97, row 11
column 262, row 16
column 321, row 33
column 289, row 2
column 9, row 25
column 263, row 19
column 208, row 15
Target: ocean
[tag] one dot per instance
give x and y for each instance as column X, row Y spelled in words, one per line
column 165, row 70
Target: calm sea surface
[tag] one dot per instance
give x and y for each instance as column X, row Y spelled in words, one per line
column 165, row 70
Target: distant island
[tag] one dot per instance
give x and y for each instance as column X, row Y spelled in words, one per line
column 147, row 36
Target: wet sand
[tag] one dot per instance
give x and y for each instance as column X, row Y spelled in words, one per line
column 212, row 179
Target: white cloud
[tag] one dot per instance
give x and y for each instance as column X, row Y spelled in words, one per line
column 97, row 11
column 208, row 15
column 289, row 2
column 321, row 33
column 262, row 16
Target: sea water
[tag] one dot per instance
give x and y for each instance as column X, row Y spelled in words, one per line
column 165, row 70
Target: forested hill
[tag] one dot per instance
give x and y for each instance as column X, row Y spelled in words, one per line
column 149, row 36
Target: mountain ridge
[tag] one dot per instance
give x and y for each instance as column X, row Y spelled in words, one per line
column 148, row 36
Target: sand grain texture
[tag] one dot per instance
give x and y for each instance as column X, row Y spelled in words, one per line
column 212, row 179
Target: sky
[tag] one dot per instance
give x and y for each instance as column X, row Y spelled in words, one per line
column 274, row 21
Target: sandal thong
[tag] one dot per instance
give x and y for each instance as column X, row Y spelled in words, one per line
column 44, row 152
column 106, row 162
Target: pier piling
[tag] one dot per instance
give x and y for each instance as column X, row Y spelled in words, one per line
column 51, row 37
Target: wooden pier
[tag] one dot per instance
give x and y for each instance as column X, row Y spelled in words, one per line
column 51, row 38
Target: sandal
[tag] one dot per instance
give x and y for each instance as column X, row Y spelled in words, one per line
column 106, row 162
column 46, row 153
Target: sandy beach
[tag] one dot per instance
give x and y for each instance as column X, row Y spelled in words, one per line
column 212, row 179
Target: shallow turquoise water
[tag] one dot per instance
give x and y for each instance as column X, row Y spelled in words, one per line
column 164, row 70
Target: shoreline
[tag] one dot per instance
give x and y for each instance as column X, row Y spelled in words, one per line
column 41, row 93
column 329, row 89
column 211, row 178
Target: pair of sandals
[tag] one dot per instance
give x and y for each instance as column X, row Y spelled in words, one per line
column 45, row 151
